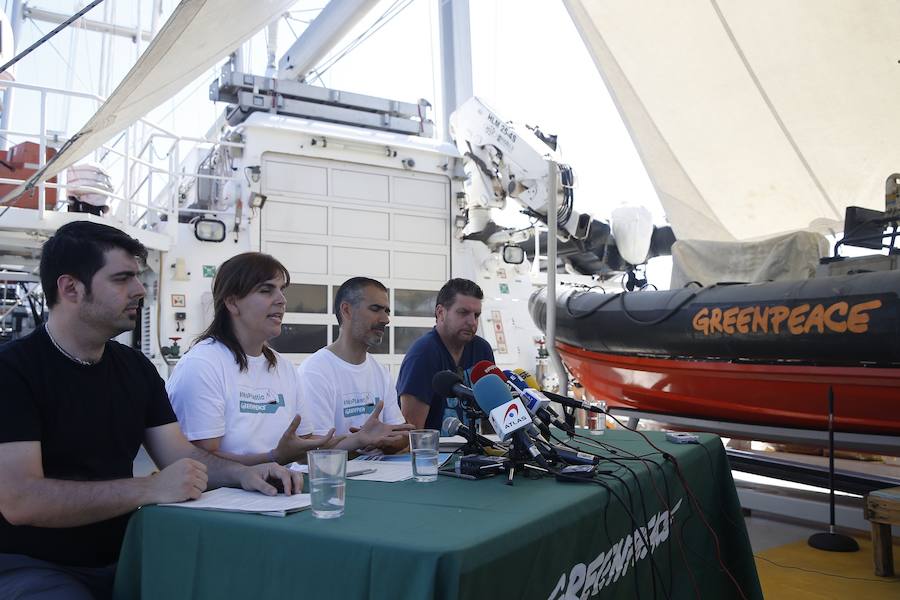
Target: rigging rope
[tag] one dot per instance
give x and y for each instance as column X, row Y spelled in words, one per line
column 59, row 28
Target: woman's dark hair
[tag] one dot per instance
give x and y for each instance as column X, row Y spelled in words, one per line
column 78, row 249
column 237, row 278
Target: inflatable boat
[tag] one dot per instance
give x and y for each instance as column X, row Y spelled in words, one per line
column 762, row 353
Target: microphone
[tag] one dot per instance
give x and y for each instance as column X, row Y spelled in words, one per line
column 486, row 367
column 517, row 380
column 454, row 426
column 531, row 382
column 538, row 403
column 479, row 370
column 574, row 457
column 572, row 402
column 507, row 415
column 449, row 385
column 536, row 398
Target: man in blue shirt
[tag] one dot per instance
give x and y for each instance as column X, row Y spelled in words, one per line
column 451, row 345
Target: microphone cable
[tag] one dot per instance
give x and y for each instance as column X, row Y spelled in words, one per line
column 666, row 501
column 693, row 500
column 645, row 538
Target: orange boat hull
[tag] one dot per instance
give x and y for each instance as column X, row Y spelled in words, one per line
column 867, row 399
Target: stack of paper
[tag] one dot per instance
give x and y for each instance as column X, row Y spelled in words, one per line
column 235, row 500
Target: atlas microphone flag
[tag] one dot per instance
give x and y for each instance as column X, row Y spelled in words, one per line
column 538, row 404
column 507, row 415
column 485, row 368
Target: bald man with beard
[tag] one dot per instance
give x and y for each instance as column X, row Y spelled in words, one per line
column 343, row 385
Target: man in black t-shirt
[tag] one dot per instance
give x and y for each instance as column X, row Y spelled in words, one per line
column 75, row 409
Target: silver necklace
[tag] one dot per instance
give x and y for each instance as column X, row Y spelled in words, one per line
column 75, row 359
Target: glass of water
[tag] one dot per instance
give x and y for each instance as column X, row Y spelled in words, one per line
column 327, row 482
column 423, row 443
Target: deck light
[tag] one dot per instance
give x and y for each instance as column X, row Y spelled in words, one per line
column 209, row 230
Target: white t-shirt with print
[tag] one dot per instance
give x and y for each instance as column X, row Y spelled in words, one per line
column 342, row 395
column 248, row 409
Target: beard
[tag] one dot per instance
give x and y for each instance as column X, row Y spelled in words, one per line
column 375, row 338
column 102, row 318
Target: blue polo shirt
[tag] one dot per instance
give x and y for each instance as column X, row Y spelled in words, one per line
column 427, row 356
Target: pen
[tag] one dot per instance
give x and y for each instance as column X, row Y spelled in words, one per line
column 455, row 474
column 361, row 472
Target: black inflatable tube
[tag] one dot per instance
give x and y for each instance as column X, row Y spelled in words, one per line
column 850, row 320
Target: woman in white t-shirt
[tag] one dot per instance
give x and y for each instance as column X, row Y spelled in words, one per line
column 232, row 393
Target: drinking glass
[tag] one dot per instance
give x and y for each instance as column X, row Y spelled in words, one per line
column 423, row 443
column 327, row 482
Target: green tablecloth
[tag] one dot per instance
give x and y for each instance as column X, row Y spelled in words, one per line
column 467, row 539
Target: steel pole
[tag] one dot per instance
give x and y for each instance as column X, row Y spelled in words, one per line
column 555, row 359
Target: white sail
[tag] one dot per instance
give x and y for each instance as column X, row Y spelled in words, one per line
column 197, row 35
column 754, row 118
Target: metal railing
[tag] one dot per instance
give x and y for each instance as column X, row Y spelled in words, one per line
column 146, row 186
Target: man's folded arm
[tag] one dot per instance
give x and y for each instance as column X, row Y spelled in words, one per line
column 167, row 445
column 29, row 498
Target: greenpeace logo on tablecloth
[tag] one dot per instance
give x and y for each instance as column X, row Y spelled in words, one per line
column 583, row 581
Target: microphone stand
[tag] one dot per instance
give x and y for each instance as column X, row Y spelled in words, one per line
column 471, row 414
column 569, row 417
column 518, row 457
column 832, row 541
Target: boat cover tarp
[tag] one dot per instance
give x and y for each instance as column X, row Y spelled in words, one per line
column 197, row 35
column 754, row 118
column 788, row 257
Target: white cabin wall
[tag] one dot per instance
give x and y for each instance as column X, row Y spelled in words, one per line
column 505, row 321
column 185, row 275
column 339, row 206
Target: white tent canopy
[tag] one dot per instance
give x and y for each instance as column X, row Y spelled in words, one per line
column 197, row 35
column 754, row 118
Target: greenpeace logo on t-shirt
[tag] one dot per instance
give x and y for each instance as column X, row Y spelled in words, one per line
column 259, row 401
column 359, row 403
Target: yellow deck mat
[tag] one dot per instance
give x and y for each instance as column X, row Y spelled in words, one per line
column 797, row 572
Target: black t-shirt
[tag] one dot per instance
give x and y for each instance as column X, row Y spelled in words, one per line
column 90, row 421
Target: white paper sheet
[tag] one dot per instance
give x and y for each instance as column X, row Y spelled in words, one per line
column 235, row 500
column 352, row 471
column 385, row 471
column 388, row 468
